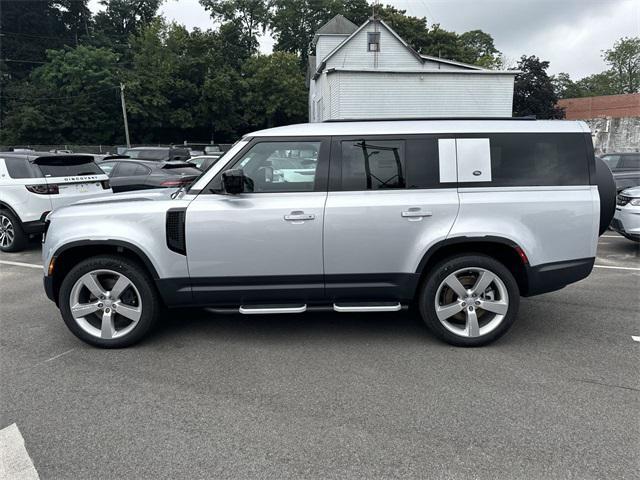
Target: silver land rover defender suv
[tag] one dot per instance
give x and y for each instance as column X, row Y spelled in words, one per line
column 458, row 218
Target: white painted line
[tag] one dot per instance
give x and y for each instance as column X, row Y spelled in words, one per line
column 617, row 268
column 58, row 356
column 15, row 463
column 612, row 236
column 635, row 339
column 21, row 264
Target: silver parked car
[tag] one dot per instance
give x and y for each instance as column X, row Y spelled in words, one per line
column 457, row 217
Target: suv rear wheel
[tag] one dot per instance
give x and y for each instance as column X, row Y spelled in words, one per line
column 469, row 300
column 108, row 301
column 12, row 237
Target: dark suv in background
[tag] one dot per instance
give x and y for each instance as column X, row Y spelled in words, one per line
column 158, row 153
column 625, row 168
column 126, row 174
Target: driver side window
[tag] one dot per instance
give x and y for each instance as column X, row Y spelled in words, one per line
column 280, row 166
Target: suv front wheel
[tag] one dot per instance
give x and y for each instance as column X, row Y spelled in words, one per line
column 469, row 300
column 108, row 301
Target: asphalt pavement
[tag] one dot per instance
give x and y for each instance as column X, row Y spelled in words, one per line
column 331, row 395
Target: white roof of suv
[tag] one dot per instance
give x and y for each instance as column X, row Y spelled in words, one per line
column 407, row 127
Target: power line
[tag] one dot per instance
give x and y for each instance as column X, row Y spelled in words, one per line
column 20, row 61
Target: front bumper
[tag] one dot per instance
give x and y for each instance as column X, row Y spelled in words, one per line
column 48, row 288
column 626, row 221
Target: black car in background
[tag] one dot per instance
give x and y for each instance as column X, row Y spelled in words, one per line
column 126, row 174
column 625, row 168
column 161, row 154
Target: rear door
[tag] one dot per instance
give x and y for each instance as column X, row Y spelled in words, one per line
column 76, row 177
column 384, row 208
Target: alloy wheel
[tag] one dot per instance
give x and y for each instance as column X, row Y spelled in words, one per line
column 105, row 304
column 471, row 302
column 7, row 231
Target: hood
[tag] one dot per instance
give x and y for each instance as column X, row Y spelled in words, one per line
column 631, row 192
column 140, row 196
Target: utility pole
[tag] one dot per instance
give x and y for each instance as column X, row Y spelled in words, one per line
column 124, row 115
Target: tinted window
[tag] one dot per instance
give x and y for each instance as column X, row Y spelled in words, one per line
column 21, row 168
column 373, row 164
column 281, row 166
column 611, row 160
column 128, row 169
column 630, row 161
column 65, row 166
column 538, row 159
column 148, row 154
column 190, row 171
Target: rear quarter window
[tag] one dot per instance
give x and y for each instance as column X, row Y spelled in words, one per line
column 535, row 159
column 21, row 168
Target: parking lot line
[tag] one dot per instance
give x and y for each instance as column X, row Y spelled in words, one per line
column 635, row 339
column 612, row 236
column 16, row 463
column 617, row 268
column 21, row 264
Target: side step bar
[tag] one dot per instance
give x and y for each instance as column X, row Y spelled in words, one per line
column 363, row 307
column 265, row 309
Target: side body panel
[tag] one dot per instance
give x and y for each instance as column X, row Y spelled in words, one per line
column 550, row 224
column 13, row 193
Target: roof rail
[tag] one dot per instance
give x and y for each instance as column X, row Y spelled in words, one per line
column 337, row 120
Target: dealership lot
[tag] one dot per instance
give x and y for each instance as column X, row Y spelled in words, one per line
column 331, row 395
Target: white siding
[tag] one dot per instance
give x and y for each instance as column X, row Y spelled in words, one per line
column 325, row 44
column 392, row 95
column 392, row 54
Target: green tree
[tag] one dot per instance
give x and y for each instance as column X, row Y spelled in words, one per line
column 412, row 30
column 122, row 18
column 274, row 90
column 294, row 22
column 478, row 48
column 534, row 91
column 624, row 60
column 72, row 98
column 252, row 16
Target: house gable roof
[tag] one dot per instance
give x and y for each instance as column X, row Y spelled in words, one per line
column 421, row 58
column 338, row 25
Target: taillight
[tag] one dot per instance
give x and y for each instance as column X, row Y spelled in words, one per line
column 43, row 189
column 175, row 183
column 522, row 255
column 105, row 184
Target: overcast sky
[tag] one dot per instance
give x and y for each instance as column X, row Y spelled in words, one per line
column 569, row 33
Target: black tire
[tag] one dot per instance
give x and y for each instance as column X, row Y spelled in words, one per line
column 607, row 192
column 150, row 303
column 430, row 286
column 20, row 238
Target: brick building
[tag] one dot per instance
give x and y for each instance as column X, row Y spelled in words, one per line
column 614, row 120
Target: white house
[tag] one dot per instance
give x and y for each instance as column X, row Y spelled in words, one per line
column 370, row 72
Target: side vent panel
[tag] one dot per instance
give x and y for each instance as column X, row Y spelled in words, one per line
column 175, row 230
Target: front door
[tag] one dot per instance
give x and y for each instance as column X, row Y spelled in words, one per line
column 263, row 246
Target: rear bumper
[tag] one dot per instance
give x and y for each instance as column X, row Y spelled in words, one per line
column 554, row 276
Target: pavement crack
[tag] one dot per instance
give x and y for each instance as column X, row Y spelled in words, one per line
column 606, row 384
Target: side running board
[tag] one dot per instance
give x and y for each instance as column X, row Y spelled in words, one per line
column 363, row 307
column 265, row 309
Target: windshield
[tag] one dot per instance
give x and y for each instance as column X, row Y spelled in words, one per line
column 148, row 154
column 201, row 182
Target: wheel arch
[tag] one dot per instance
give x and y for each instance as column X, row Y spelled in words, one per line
column 506, row 251
column 68, row 255
column 6, row 206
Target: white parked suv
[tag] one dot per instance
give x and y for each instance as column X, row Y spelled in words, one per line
column 456, row 217
column 626, row 220
column 32, row 184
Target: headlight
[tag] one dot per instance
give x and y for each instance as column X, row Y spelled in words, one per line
column 635, row 202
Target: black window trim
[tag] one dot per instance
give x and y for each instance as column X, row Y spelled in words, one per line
column 322, row 170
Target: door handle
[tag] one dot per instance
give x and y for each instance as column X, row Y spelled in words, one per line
column 299, row 216
column 415, row 212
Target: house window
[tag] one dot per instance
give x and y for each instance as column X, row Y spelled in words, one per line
column 373, row 41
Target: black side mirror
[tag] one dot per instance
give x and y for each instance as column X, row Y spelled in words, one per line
column 234, row 181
